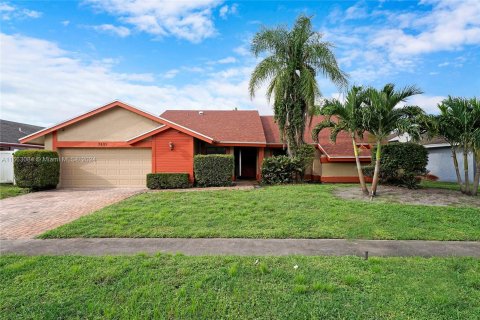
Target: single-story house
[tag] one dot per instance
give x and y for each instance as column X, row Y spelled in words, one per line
column 117, row 145
column 11, row 132
column 440, row 162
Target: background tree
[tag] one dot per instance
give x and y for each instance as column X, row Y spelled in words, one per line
column 383, row 116
column 294, row 59
column 346, row 117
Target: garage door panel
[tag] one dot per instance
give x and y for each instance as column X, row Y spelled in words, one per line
column 107, row 167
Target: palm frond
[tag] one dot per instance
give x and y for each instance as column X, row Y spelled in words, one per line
column 325, row 124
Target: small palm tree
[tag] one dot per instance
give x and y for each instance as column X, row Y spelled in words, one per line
column 459, row 125
column 382, row 116
column 295, row 58
column 476, row 142
column 346, row 117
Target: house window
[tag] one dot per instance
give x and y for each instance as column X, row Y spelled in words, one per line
column 215, row 150
column 278, row 152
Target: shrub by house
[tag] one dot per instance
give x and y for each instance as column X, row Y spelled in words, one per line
column 281, row 169
column 36, row 169
column 167, row 180
column 401, row 164
column 214, row 170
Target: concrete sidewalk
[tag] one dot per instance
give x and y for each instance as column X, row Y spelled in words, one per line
column 242, row 247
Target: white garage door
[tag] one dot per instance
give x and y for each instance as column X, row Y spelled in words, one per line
column 91, row 167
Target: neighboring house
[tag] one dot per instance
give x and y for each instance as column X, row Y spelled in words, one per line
column 398, row 138
column 117, row 145
column 440, row 162
column 11, row 132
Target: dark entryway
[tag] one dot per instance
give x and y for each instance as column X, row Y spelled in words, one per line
column 246, row 163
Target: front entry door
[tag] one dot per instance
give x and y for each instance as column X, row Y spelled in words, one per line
column 246, row 163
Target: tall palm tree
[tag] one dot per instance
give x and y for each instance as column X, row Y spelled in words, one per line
column 382, row 116
column 346, row 117
column 295, row 57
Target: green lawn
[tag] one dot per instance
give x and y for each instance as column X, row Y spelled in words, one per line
column 440, row 185
column 9, row 190
column 295, row 211
column 180, row 287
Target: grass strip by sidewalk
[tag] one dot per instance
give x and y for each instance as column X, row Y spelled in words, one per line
column 8, row 190
column 180, row 287
column 295, row 211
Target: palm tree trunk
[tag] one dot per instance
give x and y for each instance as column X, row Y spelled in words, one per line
column 476, row 180
column 376, row 174
column 465, row 170
column 359, row 168
column 457, row 170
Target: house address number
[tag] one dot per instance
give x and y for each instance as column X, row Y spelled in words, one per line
column 102, row 144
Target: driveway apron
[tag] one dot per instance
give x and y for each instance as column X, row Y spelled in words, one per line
column 26, row 216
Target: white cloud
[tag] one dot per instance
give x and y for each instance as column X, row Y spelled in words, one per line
column 226, row 10
column 120, row 31
column 193, row 69
column 357, row 11
column 227, row 60
column 44, row 84
column 5, row 7
column 10, row 12
column 449, row 26
column 242, row 50
column 190, row 20
column 31, row 13
column 65, row 22
column 426, row 102
column 170, row 74
column 398, row 41
column 135, row 77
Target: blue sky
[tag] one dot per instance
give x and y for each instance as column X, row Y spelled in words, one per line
column 62, row 58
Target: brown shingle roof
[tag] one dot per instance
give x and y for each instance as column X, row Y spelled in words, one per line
column 243, row 126
column 342, row 148
column 435, row 140
column 247, row 126
column 11, row 131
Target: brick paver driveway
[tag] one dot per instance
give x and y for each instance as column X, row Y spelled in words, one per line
column 29, row 215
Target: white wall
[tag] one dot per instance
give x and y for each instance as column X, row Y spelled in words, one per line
column 6, row 166
column 440, row 163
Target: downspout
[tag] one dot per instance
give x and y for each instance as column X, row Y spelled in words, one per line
column 239, row 162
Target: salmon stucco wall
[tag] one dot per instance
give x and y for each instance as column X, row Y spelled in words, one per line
column 177, row 160
column 339, row 169
column 315, row 170
column 48, row 142
column 339, row 172
column 116, row 124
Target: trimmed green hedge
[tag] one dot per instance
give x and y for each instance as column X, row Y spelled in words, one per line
column 214, row 170
column 401, row 164
column 281, row 169
column 167, row 180
column 36, row 169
